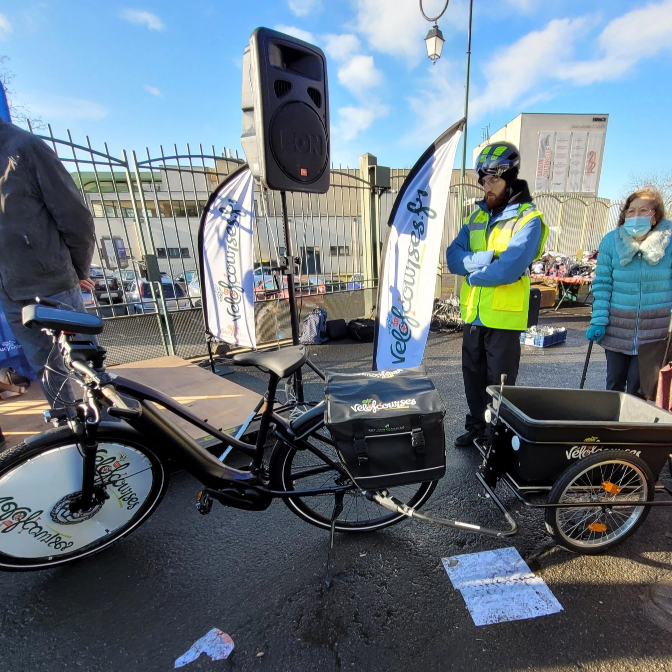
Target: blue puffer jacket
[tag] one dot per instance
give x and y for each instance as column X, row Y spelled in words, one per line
column 633, row 288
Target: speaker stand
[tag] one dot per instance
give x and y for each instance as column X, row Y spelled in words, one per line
column 289, row 270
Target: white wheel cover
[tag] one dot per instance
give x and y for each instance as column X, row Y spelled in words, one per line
column 34, row 519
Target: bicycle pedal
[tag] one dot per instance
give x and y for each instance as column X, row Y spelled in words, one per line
column 203, row 503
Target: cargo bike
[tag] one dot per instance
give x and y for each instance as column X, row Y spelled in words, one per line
column 369, row 456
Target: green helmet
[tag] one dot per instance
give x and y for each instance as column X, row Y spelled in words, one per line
column 501, row 159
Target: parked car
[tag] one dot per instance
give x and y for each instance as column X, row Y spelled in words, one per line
column 314, row 285
column 106, row 287
column 185, row 279
column 336, row 285
column 126, row 276
column 194, row 290
column 139, row 296
column 356, row 281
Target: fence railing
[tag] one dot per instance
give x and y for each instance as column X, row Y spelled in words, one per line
column 150, row 206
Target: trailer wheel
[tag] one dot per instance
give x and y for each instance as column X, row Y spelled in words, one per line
column 606, row 478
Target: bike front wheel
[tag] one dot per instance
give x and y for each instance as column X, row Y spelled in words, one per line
column 40, row 479
column 293, row 469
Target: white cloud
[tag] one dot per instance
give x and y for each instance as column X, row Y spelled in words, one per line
column 359, row 75
column 341, row 47
column 353, row 120
column 297, row 32
column 154, row 90
column 303, row 7
column 524, row 5
column 534, row 60
column 439, row 103
column 51, row 107
column 398, row 28
column 397, row 32
column 142, row 18
column 626, row 40
column 5, row 26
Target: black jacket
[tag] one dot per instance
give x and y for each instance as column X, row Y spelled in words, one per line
column 47, row 235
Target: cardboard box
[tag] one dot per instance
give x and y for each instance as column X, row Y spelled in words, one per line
column 548, row 295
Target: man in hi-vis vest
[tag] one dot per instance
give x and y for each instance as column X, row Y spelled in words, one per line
column 493, row 250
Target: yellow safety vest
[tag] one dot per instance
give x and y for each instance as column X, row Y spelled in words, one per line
column 504, row 306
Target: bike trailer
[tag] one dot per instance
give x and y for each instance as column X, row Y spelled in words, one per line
column 546, row 430
column 388, row 426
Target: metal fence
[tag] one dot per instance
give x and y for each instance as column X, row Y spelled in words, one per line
column 151, row 205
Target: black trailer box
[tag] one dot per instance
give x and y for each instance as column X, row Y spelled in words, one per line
column 388, row 426
column 549, row 429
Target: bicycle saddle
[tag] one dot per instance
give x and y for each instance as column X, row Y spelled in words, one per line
column 69, row 321
column 282, row 363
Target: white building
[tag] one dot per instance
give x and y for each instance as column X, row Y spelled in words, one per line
column 560, row 153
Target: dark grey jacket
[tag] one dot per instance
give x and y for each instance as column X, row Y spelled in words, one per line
column 47, row 235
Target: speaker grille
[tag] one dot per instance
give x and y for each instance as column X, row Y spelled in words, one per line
column 282, row 87
column 315, row 96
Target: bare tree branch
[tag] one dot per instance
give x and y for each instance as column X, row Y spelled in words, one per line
column 20, row 113
column 660, row 180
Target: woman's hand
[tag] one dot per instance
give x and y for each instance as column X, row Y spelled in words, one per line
column 595, row 333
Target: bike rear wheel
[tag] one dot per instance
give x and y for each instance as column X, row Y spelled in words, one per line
column 38, row 481
column 293, row 469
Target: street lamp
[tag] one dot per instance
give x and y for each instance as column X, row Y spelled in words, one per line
column 434, row 43
column 434, row 40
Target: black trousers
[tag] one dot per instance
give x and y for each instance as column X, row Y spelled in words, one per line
column 622, row 372
column 486, row 354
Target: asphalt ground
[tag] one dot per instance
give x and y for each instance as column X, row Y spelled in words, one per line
column 259, row 576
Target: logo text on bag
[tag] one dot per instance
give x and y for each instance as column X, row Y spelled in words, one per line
column 373, row 406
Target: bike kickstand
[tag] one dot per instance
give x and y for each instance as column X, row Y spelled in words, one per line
column 338, row 509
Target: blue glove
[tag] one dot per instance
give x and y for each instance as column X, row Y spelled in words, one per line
column 595, row 333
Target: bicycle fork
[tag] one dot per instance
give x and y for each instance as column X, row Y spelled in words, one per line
column 86, row 434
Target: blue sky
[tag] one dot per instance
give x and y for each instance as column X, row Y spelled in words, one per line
column 151, row 72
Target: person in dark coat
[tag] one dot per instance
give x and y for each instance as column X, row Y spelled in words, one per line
column 47, row 240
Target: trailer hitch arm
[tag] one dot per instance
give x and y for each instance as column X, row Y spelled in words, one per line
column 393, row 504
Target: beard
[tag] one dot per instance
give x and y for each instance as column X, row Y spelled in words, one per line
column 493, row 200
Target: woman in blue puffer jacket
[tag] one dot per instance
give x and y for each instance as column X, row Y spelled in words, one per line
column 632, row 293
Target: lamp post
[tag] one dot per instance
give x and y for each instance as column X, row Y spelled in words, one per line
column 434, row 48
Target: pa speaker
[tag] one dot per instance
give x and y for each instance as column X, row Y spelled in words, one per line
column 285, row 106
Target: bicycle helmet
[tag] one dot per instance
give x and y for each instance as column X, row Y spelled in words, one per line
column 501, row 159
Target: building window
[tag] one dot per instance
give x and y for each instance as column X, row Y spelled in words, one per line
column 178, row 209
column 110, row 209
column 339, row 250
column 165, row 209
column 172, row 252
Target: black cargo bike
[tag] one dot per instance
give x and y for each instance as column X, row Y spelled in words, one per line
column 368, row 457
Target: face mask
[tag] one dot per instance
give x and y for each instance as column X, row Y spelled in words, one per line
column 637, row 226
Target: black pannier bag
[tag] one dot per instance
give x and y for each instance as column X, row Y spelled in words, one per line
column 388, row 426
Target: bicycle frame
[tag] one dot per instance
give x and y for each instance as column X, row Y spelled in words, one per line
column 185, row 450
